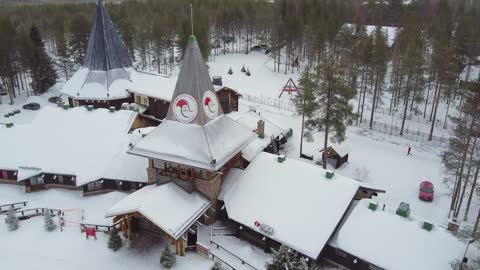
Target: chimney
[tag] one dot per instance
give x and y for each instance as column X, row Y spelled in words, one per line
column 261, row 129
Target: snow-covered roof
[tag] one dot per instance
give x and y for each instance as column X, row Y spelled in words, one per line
column 88, row 144
column 153, row 85
column 250, row 119
column 389, row 31
column 98, row 84
column 168, row 206
column 230, row 179
column 158, row 86
column 107, row 69
column 394, row 242
column 294, row 198
column 207, row 146
column 471, row 73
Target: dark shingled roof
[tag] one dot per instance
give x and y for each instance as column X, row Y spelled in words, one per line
column 105, row 49
column 194, row 80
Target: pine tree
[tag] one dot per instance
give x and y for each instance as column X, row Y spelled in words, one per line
column 168, row 258
column 43, row 73
column 49, row 223
column 115, row 241
column 80, row 29
column 217, row 265
column 327, row 98
column 12, row 220
column 286, row 258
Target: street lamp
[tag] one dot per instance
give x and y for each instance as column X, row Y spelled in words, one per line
column 465, row 259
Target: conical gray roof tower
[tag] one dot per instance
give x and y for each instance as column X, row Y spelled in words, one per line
column 194, row 99
column 196, row 132
column 105, row 49
column 107, row 69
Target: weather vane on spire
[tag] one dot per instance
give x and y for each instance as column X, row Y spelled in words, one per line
column 191, row 16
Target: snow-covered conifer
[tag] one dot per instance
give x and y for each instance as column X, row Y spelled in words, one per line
column 49, row 223
column 217, row 265
column 115, row 241
column 168, row 258
column 12, row 220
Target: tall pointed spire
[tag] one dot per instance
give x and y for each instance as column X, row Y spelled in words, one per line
column 105, row 49
column 107, row 70
column 194, row 99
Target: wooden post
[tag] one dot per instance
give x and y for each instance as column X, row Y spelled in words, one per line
column 177, row 249
column 129, row 228
column 182, row 247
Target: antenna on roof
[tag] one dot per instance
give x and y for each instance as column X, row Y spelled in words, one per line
column 191, row 16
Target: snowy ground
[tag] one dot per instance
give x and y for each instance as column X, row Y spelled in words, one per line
column 31, row 248
column 384, row 158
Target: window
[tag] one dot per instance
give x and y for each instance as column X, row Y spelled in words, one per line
column 95, row 185
column 145, row 101
column 75, row 103
column 60, row 179
column 36, row 181
column 182, row 171
column 157, row 164
column 137, row 99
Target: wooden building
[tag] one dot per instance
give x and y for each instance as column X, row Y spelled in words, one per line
column 154, row 92
column 228, row 98
column 107, row 72
column 335, row 156
column 189, row 155
column 371, row 237
column 72, row 155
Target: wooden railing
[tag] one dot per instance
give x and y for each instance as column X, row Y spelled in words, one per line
column 5, row 207
column 228, row 251
column 226, row 231
column 27, row 213
column 98, row 228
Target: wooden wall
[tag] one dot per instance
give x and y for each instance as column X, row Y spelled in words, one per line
column 158, row 108
column 228, row 99
column 117, row 103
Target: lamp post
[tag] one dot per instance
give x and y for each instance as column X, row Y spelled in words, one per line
column 465, row 259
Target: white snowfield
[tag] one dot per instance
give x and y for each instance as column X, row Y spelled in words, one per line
column 389, row 32
column 156, row 204
column 304, row 219
column 250, row 119
column 396, row 243
column 98, row 84
column 88, row 144
column 208, row 147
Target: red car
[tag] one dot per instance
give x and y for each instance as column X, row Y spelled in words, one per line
column 426, row 191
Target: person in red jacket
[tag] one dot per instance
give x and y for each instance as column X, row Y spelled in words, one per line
column 409, row 152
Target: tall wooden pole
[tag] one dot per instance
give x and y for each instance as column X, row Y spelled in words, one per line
column 303, row 126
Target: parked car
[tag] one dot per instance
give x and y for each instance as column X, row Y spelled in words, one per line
column 425, row 192
column 55, row 99
column 31, row 106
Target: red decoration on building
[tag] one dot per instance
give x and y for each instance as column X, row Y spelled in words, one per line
column 4, row 175
column 257, row 224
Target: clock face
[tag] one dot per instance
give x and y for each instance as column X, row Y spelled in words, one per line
column 185, row 108
column 210, row 104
